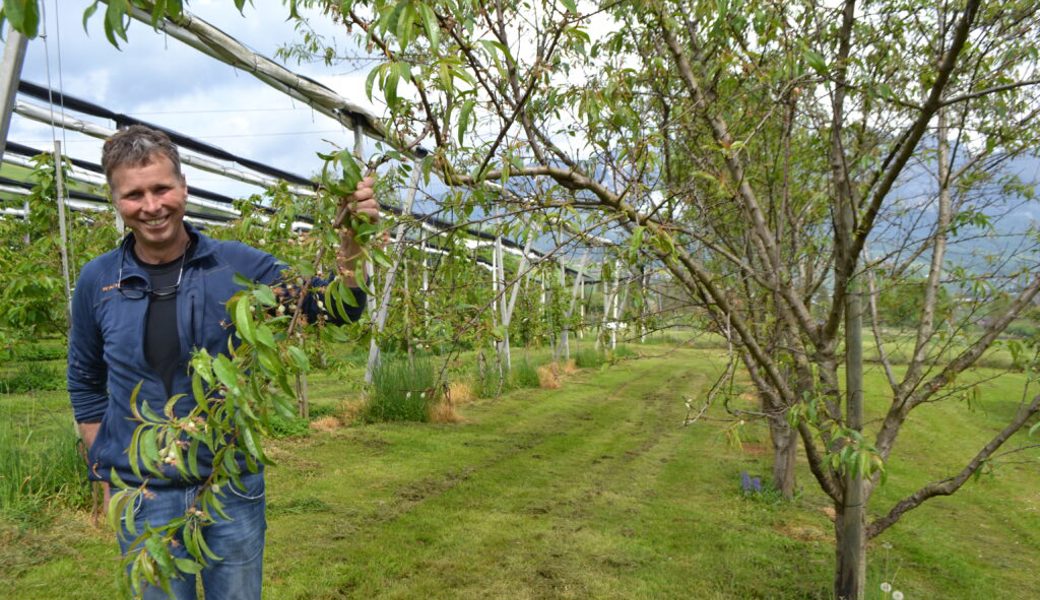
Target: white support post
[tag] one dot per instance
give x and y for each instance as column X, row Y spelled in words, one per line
column 383, row 310
column 504, row 359
column 509, row 305
column 581, row 308
column 425, row 283
column 10, row 75
column 578, row 285
column 607, row 303
column 644, row 307
column 59, row 178
column 616, row 312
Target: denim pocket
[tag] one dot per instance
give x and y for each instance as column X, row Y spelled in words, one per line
column 254, row 487
column 136, row 510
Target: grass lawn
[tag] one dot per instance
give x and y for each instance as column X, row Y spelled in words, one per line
column 593, row 490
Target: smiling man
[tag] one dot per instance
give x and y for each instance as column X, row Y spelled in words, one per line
column 138, row 313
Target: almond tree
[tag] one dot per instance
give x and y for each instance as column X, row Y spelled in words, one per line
column 784, row 141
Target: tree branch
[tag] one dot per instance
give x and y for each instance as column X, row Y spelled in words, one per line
column 952, row 484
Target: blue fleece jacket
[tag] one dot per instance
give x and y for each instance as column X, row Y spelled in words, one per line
column 106, row 358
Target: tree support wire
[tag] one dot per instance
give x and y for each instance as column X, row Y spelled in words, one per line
column 213, row 42
column 42, row 115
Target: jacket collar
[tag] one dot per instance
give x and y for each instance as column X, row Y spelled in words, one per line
column 204, row 247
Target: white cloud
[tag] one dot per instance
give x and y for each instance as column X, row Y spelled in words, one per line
column 158, row 79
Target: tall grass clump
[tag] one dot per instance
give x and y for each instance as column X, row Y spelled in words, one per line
column 525, row 375
column 623, row 352
column 588, row 358
column 402, row 390
column 39, row 467
column 33, row 376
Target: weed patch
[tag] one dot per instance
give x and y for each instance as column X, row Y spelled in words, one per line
column 282, row 427
column 33, row 376
column 490, row 383
column 587, row 358
column 622, row 352
column 39, row 467
column 525, row 375
column 298, row 506
column 402, row 390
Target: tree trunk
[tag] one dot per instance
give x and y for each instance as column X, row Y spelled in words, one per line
column 785, row 453
column 850, row 572
column 850, row 551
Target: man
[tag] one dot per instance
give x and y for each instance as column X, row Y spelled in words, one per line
column 138, row 313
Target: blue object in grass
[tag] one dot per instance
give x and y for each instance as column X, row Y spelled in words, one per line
column 750, row 484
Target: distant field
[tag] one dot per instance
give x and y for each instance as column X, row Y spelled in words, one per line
column 593, row 490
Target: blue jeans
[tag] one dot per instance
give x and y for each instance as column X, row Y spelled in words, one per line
column 238, row 541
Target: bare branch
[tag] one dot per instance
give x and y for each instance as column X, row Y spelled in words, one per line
column 952, row 484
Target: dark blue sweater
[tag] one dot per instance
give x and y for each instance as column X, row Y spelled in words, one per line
column 106, row 343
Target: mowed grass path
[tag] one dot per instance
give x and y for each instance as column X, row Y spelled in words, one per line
column 594, row 490
column 537, row 495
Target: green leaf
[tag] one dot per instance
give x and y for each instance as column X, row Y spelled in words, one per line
column 116, row 21
column 206, row 552
column 816, row 61
column 405, row 26
column 300, row 357
column 175, row 8
column 390, row 87
column 133, row 401
column 464, row 116
column 24, row 15
column 371, row 79
column 170, row 404
column 244, row 319
column 226, row 372
column 88, row 13
column 265, row 296
column 186, row 565
column 433, row 28
column 269, row 361
column 193, row 458
column 265, row 337
column 117, row 506
column 351, row 170
column 149, row 450
column 196, row 388
column 571, row 6
column 251, row 445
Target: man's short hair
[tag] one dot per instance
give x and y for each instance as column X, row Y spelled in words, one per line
column 137, row 146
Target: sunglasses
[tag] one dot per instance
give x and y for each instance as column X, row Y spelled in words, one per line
column 135, row 293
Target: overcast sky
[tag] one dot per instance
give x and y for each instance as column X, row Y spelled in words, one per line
column 158, row 79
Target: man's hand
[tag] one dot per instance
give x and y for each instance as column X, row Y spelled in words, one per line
column 88, row 433
column 362, row 203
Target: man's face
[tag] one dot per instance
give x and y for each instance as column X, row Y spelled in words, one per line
column 152, row 199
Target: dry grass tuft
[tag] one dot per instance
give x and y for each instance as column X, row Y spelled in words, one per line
column 570, row 367
column 460, row 393
column 326, row 424
column 349, row 411
column 549, row 376
column 443, row 410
